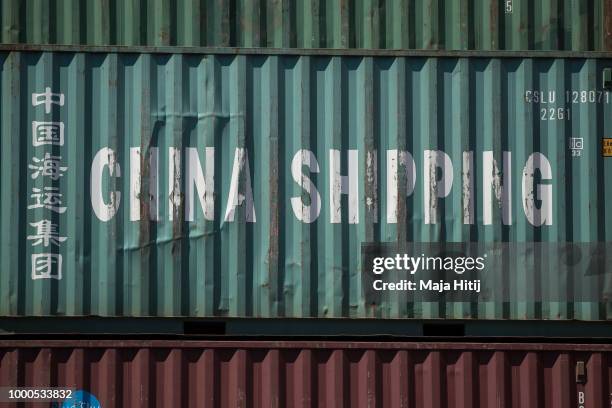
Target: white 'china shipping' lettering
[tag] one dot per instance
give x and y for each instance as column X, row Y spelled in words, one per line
column 437, row 183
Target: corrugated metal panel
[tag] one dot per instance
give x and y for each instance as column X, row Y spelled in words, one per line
column 391, row 24
column 315, row 374
column 270, row 108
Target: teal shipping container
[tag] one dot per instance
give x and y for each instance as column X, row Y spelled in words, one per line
column 571, row 25
column 222, row 185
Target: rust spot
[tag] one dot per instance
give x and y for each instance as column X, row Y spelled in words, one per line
column 493, row 15
column 164, row 37
column 607, row 14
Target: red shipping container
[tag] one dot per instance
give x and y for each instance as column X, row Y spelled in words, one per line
column 314, row 374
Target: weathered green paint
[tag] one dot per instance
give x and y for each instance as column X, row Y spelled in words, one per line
column 273, row 106
column 575, row 25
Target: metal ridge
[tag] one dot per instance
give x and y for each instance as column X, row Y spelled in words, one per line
column 340, row 52
column 302, row 344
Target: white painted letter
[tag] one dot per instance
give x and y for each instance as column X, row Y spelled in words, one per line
column 135, row 184
column 305, row 213
column 339, row 185
column 405, row 159
column 544, row 214
column 503, row 192
column 468, row 188
column 174, row 182
column 105, row 157
column 204, row 185
column 136, row 177
column 236, row 198
column 153, row 184
column 432, row 188
column 371, row 185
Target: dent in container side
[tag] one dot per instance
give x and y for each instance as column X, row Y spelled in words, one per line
column 150, row 231
column 574, row 25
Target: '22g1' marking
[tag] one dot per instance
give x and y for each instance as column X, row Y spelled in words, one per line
column 555, row 114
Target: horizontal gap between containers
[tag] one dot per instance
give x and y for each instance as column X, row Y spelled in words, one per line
column 408, row 343
column 371, row 329
column 304, row 51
